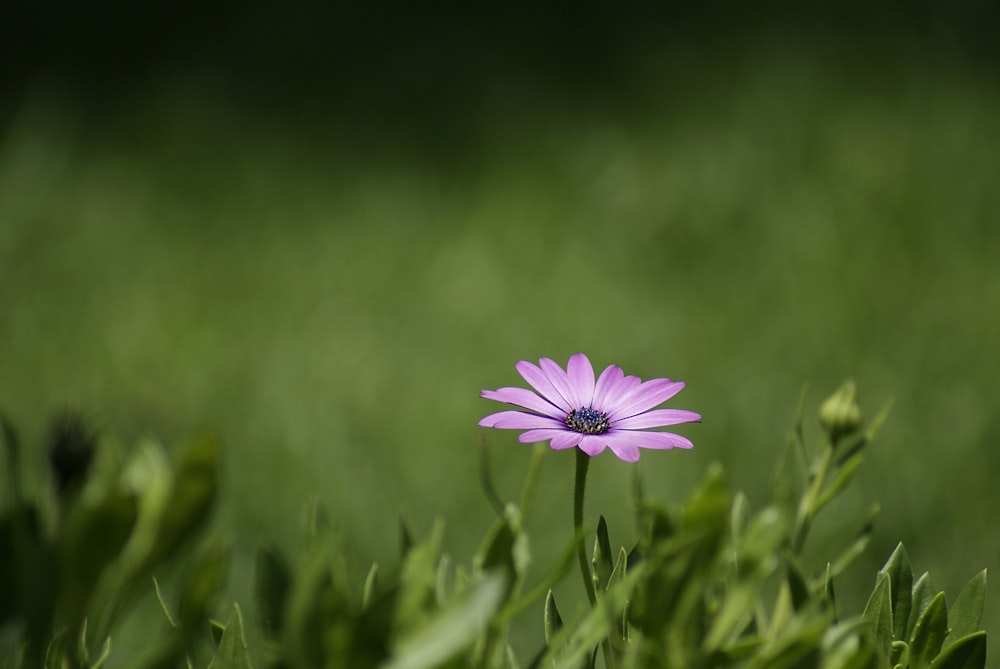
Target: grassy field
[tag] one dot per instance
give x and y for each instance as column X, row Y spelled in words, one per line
column 331, row 297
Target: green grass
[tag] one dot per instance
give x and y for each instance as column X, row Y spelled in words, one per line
column 332, row 303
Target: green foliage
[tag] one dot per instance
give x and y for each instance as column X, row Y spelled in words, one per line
column 712, row 583
column 74, row 560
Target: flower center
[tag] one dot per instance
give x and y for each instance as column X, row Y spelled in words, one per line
column 587, row 421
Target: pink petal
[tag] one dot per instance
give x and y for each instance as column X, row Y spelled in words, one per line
column 623, row 446
column 592, row 444
column 658, row 418
column 622, row 389
column 646, row 396
column 537, row 379
column 566, row 439
column 656, row 440
column 581, row 378
column 518, row 420
column 523, row 397
column 531, row 436
column 557, row 377
column 609, row 379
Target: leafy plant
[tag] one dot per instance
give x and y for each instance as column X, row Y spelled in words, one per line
column 711, row 584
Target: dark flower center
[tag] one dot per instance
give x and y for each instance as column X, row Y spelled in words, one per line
column 588, row 421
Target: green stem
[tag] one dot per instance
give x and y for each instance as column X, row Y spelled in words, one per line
column 807, row 508
column 582, row 463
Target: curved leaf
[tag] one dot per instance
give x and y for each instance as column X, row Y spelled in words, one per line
column 967, row 611
column 929, row 633
column 969, row 652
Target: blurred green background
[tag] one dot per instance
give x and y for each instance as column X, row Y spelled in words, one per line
column 321, row 230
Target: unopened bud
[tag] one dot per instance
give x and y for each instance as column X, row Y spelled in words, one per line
column 839, row 413
column 71, row 450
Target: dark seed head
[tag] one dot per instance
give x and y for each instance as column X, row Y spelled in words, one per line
column 71, row 449
column 588, row 421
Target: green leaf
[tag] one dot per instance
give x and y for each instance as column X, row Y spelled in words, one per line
column 314, row 604
column 511, row 658
column 620, row 568
column 567, row 559
column 163, row 603
column 829, row 593
column 203, row 582
column 708, row 507
column 498, row 548
column 897, row 567
column 553, row 621
column 929, row 633
column 876, row 423
column 858, row 545
column 967, row 611
column 767, row 530
column 452, row 630
column 195, row 486
column 923, row 593
column 798, row 587
column 602, row 565
column 797, row 645
column 95, row 532
column 878, row 613
column 844, row 476
column 317, row 523
column 443, row 580
column 406, row 541
column 968, row 652
column 418, row 580
column 217, row 629
column 739, row 516
column 580, row 641
column 371, row 583
column 486, row 480
column 232, row 650
column 55, row 653
column 844, row 647
column 103, row 657
column 273, row 581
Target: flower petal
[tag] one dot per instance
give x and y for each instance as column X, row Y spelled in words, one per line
column 623, row 446
column 656, row 440
column 592, row 444
column 531, row 436
column 518, row 420
column 658, row 418
column 581, row 379
column 557, row 377
column 646, row 396
column 566, row 439
column 538, row 380
column 523, row 397
column 614, row 394
column 609, row 379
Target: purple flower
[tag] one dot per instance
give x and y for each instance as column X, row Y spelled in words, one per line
column 570, row 408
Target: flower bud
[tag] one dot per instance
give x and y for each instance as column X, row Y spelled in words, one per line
column 839, row 413
column 71, row 450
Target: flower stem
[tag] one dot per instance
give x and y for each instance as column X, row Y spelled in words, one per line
column 807, row 506
column 582, row 463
